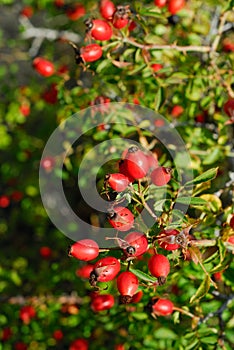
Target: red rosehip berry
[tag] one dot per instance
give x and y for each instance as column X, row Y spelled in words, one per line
column 85, row 249
column 4, row 201
column 121, row 17
column 176, row 111
column 127, row 284
column 27, row 11
column 107, row 9
column 119, row 347
column 121, row 218
column 75, row 11
column 48, row 163
column 59, row 3
column 159, row 267
column 6, row 334
column 27, row 313
column 200, row 118
column 167, row 239
column 175, row 6
column 228, row 45
column 118, row 182
column 20, row 346
column 218, row 276
column 160, row 3
column 137, row 297
column 58, row 335
column 160, row 176
column 102, row 302
column 162, row 307
column 104, row 270
column 137, row 244
column 152, row 162
column 99, row 29
column 136, row 163
column 43, row 66
column 25, row 109
column 91, row 52
column 228, row 108
column 51, row 94
column 123, row 170
column 231, row 240
column 45, row 252
column 84, row 271
column 156, row 67
column 79, row 344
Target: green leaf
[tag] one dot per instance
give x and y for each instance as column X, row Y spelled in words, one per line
column 176, row 78
column 140, row 315
column 202, row 290
column 206, row 176
column 213, row 156
column 191, row 201
column 143, row 276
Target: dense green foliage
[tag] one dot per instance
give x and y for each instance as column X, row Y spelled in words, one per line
column 196, row 74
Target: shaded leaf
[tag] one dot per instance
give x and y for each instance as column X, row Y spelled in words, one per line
column 206, row 176
column 202, row 290
column 143, row 276
column 191, row 201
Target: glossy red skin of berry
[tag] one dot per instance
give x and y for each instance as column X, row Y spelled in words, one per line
column 85, row 249
column 107, row 9
column 106, row 269
column 160, row 176
column 79, row 344
column 84, row 271
column 58, row 335
column 43, row 66
column 75, row 12
column 152, row 162
column 101, row 30
column 176, row 111
column 229, row 108
column 91, row 52
column 163, row 307
column 160, row 3
column 138, row 241
column 122, row 219
column 127, row 283
column 119, row 22
column 136, row 163
column 137, row 297
column 123, row 170
column 102, row 302
column 175, row 6
column 118, row 182
column 119, row 347
column 159, row 265
column 27, row 313
column 4, row 201
column 168, row 243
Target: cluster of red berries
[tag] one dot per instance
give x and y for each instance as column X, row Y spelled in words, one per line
column 134, row 166
column 173, row 6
